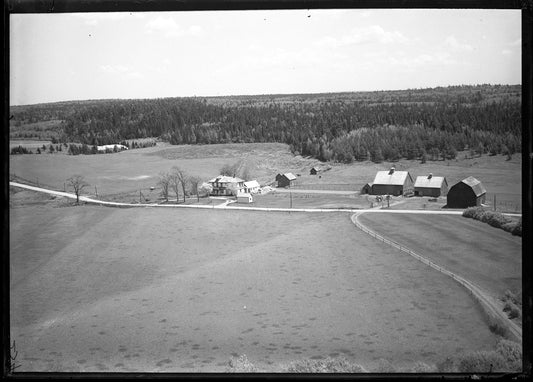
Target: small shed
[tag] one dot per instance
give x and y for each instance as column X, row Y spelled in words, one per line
column 285, row 180
column 367, row 189
column 430, row 185
column 392, row 182
column 245, row 198
column 314, row 171
column 469, row 192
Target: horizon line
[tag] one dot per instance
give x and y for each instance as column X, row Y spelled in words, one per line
column 261, row 95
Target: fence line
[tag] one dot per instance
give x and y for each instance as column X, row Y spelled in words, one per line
column 489, row 306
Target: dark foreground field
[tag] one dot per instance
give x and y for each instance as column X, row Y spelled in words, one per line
column 101, row 289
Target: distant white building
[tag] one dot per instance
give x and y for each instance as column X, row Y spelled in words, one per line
column 105, row 148
column 251, row 187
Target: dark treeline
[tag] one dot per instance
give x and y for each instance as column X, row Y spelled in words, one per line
column 426, row 124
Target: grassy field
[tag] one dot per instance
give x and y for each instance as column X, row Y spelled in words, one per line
column 103, row 289
column 487, row 256
column 129, row 171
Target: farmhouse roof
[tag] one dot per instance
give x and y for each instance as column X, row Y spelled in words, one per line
column 251, row 184
column 226, row 179
column 475, row 185
column 429, row 181
column 289, row 176
column 396, row 178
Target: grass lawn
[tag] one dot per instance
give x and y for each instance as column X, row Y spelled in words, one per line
column 104, row 289
column 485, row 255
column 306, row 200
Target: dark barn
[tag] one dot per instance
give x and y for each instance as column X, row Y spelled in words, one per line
column 430, row 185
column 468, row 192
column 314, row 171
column 392, row 182
column 285, row 180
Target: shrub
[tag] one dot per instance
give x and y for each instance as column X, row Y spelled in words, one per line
column 496, row 328
column 495, row 219
column 517, row 230
column 447, row 366
column 482, row 362
column 512, row 354
column 512, row 310
column 240, row 365
column 384, row 366
column 328, row 365
column 421, row 367
column 509, row 226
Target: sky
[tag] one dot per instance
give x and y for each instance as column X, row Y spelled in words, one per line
column 80, row 56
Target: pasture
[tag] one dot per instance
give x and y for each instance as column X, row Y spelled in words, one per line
column 121, row 175
column 484, row 255
column 155, row 289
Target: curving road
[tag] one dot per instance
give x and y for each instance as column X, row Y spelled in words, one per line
column 224, row 205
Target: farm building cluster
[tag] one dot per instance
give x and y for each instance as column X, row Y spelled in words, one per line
column 224, row 185
column 468, row 192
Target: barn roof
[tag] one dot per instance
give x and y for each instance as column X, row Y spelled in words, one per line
column 226, row 179
column 429, row 181
column 475, row 185
column 289, row 175
column 251, row 184
column 395, row 178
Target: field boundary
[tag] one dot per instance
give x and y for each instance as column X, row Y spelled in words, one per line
column 489, row 306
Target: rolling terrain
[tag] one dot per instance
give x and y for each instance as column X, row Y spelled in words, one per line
column 181, row 290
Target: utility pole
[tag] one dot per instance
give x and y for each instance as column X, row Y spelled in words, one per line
column 290, row 194
column 96, row 191
column 494, row 202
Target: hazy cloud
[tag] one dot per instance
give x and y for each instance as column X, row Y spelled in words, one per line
column 120, row 70
column 373, row 34
column 169, row 28
column 95, row 18
column 452, row 43
column 516, row 43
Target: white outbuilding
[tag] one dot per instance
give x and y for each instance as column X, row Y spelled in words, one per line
column 245, row 198
column 251, row 187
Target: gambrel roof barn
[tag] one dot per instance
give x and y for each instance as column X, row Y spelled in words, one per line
column 469, row 192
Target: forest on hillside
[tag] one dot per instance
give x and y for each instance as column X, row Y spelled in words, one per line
column 344, row 127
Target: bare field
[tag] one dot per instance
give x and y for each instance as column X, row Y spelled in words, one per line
column 101, row 289
column 484, row 255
